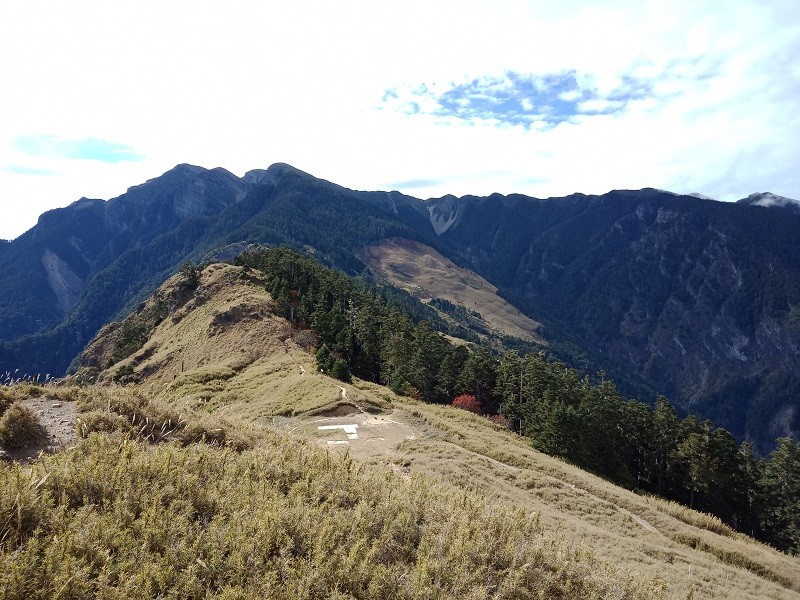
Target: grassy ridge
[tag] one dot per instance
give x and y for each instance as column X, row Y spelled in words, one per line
column 123, row 518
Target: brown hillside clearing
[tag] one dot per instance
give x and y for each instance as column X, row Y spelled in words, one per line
column 426, row 274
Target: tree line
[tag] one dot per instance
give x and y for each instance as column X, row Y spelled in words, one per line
column 386, row 336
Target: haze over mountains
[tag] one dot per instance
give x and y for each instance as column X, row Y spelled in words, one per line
column 693, row 298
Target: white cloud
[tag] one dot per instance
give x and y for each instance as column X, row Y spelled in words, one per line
column 600, row 105
column 244, row 84
column 570, row 96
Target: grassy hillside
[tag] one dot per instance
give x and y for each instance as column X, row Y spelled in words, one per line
column 423, row 272
column 225, row 355
column 127, row 516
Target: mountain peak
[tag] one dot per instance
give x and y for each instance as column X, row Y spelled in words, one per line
column 769, row 200
column 272, row 173
column 187, row 168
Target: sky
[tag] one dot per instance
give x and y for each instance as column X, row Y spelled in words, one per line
column 426, row 97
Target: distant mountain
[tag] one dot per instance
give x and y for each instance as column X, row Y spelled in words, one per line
column 49, row 267
column 701, row 298
column 694, row 298
column 768, row 200
column 83, row 265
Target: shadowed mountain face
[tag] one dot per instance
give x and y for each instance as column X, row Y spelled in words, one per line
column 85, row 264
column 698, row 299
column 49, row 267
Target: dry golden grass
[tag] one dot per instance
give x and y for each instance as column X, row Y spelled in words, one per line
column 692, row 517
column 123, row 518
column 423, row 272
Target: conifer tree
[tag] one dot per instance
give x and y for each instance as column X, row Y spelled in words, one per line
column 781, row 484
column 324, row 359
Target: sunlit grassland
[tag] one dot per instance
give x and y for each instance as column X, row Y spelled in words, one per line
column 691, row 550
column 120, row 516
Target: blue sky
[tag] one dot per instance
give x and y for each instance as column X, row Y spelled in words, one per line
column 539, row 101
column 428, row 97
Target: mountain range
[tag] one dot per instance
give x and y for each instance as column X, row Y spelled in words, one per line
column 680, row 295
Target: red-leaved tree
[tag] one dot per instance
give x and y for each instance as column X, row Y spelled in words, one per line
column 468, row 402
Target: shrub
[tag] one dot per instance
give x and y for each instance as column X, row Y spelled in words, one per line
column 306, row 339
column 104, row 422
column 468, row 402
column 410, row 391
column 19, row 427
column 125, row 374
column 500, row 420
column 191, row 275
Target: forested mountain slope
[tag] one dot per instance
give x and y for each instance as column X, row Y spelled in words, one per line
column 700, row 298
column 81, row 265
column 690, row 297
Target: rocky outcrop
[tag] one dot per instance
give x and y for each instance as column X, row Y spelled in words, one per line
column 66, row 285
column 443, row 213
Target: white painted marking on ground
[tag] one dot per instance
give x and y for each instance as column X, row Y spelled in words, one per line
column 350, row 430
column 336, row 442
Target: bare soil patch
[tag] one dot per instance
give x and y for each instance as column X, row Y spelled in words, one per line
column 57, row 419
column 342, row 410
column 362, row 434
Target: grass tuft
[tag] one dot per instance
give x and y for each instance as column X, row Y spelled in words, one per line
column 131, row 413
column 690, row 516
column 730, row 557
column 19, row 427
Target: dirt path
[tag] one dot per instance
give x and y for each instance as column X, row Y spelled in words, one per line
column 639, row 520
column 489, row 459
column 58, row 422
